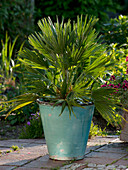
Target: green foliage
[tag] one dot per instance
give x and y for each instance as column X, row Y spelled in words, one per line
column 119, row 54
column 70, row 9
column 19, row 116
column 119, row 67
column 6, row 59
column 96, row 131
column 7, row 78
column 15, row 148
column 118, row 132
column 8, row 151
column 23, row 114
column 117, row 76
column 5, row 152
column 33, row 128
column 64, row 65
column 123, row 98
column 9, row 86
column 16, row 17
column 116, row 31
column 8, row 65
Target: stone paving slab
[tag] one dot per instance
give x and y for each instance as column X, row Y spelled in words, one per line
column 91, row 148
column 14, row 160
column 4, row 149
column 38, row 149
column 105, row 155
column 114, row 148
column 101, row 153
column 21, row 142
column 91, row 166
column 45, row 162
column 22, row 168
column 123, row 161
column 73, row 166
column 11, row 143
column 99, row 142
column 102, row 140
column 7, row 167
column 27, row 140
column 23, row 156
column 97, row 160
column 33, row 145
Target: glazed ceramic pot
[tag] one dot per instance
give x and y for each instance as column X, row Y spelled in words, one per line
column 66, row 138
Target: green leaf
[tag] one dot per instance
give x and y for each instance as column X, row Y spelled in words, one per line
column 105, row 104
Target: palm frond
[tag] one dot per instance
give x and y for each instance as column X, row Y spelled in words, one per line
column 105, row 103
column 19, row 102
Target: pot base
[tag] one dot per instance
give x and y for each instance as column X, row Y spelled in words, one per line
column 66, row 158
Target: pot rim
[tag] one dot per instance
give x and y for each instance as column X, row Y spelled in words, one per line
column 51, row 104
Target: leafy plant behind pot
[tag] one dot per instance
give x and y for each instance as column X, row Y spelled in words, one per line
column 64, row 63
column 116, row 31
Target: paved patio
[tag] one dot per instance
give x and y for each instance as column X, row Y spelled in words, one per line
column 101, row 153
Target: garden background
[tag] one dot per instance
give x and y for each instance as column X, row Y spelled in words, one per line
column 18, row 19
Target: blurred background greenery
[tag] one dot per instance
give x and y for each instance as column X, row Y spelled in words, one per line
column 19, row 18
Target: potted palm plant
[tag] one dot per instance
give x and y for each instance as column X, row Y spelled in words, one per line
column 63, row 65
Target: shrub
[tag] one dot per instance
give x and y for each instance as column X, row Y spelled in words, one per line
column 70, row 9
column 96, row 131
column 33, row 128
column 12, row 80
column 16, row 17
column 116, row 31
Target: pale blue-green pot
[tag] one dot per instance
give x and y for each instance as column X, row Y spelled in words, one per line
column 66, row 138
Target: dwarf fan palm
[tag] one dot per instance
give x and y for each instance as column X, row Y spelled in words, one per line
column 63, row 65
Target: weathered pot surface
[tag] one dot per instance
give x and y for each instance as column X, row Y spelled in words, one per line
column 66, row 138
